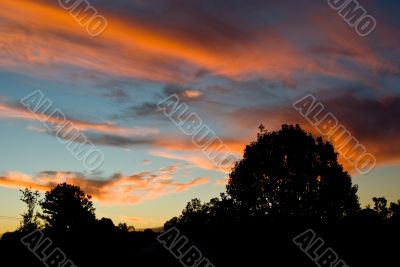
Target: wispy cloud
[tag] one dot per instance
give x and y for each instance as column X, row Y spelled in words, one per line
column 223, row 182
column 8, row 111
column 172, row 51
column 119, row 189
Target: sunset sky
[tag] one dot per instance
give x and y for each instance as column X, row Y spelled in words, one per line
column 235, row 63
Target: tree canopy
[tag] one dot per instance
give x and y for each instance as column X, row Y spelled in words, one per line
column 291, row 173
column 67, row 208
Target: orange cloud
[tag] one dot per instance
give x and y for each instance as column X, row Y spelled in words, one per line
column 135, row 49
column 189, row 93
column 130, row 219
column 194, row 157
column 58, row 41
column 118, row 189
column 223, row 182
column 233, row 145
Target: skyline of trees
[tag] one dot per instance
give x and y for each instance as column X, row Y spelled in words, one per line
column 286, row 182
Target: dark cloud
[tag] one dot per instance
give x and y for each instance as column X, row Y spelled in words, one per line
column 118, row 95
column 369, row 118
column 119, row 141
column 185, row 94
column 373, row 120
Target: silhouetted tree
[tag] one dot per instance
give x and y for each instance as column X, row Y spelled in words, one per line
column 174, row 222
column 30, row 218
column 105, row 226
column 221, row 211
column 289, row 173
column 395, row 211
column 125, row 228
column 198, row 216
column 148, row 231
column 381, row 206
column 194, row 215
column 67, row 208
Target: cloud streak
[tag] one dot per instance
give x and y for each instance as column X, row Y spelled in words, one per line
column 118, row 189
column 148, row 48
column 17, row 112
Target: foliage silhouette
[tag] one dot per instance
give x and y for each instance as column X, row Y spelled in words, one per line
column 30, row 218
column 287, row 181
column 66, row 208
column 389, row 212
column 289, row 173
column 124, row 227
column 394, row 211
column 381, row 206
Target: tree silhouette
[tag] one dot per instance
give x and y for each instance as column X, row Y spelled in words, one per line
column 290, row 173
column 194, row 216
column 286, row 182
column 30, row 218
column 381, row 206
column 392, row 212
column 395, row 211
column 67, row 208
column 199, row 216
column 125, row 228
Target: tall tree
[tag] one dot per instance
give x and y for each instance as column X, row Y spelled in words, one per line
column 30, row 217
column 67, row 208
column 290, row 173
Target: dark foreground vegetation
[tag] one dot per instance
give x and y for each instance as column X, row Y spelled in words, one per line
column 286, row 183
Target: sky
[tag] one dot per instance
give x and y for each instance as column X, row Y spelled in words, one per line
column 235, row 64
